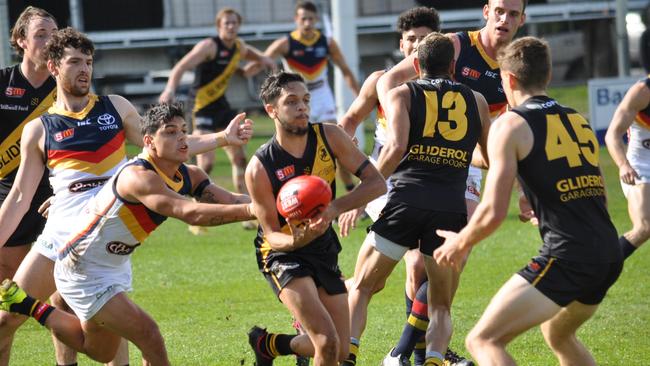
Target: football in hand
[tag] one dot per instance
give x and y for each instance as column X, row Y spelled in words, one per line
column 303, row 197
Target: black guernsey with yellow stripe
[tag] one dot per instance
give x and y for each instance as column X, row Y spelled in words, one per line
column 211, row 78
column 562, row 180
column 19, row 104
column 444, row 129
column 643, row 117
column 479, row 71
column 308, row 57
column 281, row 166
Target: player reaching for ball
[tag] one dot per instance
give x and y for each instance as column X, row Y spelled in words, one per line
column 299, row 259
column 303, row 197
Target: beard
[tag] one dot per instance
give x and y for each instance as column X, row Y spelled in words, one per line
column 294, row 130
column 74, row 90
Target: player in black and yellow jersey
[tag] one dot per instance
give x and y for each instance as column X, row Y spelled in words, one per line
column 554, row 153
column 435, row 124
column 300, row 260
column 306, row 51
column 215, row 60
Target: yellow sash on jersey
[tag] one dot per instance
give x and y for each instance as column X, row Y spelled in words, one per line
column 213, row 90
column 323, row 162
column 10, row 147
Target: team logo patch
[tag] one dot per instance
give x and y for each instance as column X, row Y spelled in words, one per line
column 14, row 92
column 298, row 53
column 646, row 143
column 320, row 52
column 64, row 135
column 470, row 73
column 286, row 172
column 106, row 119
column 86, row 185
column 323, row 155
column 119, row 248
column 224, row 53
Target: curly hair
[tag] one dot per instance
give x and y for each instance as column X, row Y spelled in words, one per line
column 19, row 31
column 158, row 115
column 421, row 16
column 67, row 38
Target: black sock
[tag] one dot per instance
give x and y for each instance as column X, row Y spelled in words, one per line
column 275, row 345
column 626, row 247
column 71, row 364
column 416, row 325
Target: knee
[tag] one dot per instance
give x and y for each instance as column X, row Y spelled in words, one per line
column 643, row 230
column 328, row 345
column 557, row 340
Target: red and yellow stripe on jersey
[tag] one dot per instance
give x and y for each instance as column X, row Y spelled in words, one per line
column 308, row 57
column 83, row 145
column 643, row 116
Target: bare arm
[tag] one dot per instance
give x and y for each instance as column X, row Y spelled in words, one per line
column 147, row 187
column 510, row 141
column 251, row 53
column 337, row 58
column 214, row 193
column 396, row 76
column 130, row 119
column 397, row 112
column 29, row 174
column 278, row 48
column 362, row 105
column 486, row 122
column 636, row 99
column 202, row 51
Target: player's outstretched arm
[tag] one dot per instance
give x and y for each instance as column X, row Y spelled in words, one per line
column 362, row 105
column 238, row 132
column 337, row 59
column 259, row 187
column 137, row 184
column 254, row 55
column 347, row 154
column 399, row 74
column 212, row 193
column 201, row 52
column 636, row 99
column 29, row 174
column 510, row 140
column 278, row 48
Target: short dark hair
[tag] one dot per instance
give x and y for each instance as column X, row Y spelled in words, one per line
column 272, row 86
column 307, row 5
column 158, row 115
column 67, row 38
column 19, row 31
column 420, row 16
column 529, row 59
column 523, row 2
column 435, row 54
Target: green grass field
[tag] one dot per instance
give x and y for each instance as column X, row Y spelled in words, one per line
column 205, row 291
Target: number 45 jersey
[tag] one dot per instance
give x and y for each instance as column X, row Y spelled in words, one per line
column 562, row 180
column 444, row 129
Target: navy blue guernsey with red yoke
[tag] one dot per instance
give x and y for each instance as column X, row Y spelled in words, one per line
column 480, row 72
column 562, row 180
column 20, row 103
column 308, row 57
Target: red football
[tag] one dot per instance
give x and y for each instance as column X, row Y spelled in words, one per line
column 303, row 197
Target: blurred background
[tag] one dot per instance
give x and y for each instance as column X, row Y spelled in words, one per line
column 139, row 41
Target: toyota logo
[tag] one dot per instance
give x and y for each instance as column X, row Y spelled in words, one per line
column 106, row 119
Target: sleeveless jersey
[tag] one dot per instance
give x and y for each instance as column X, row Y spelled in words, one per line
column 318, row 159
column 480, row 72
column 638, row 149
column 308, row 58
column 211, row 78
column 19, row 104
column 562, row 181
column 445, row 127
column 83, row 150
column 112, row 227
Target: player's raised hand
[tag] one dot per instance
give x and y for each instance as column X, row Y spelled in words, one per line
column 166, row 97
column 450, row 253
column 348, row 220
column 239, row 130
column 627, row 174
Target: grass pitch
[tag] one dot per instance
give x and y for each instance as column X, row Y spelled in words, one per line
column 205, row 292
